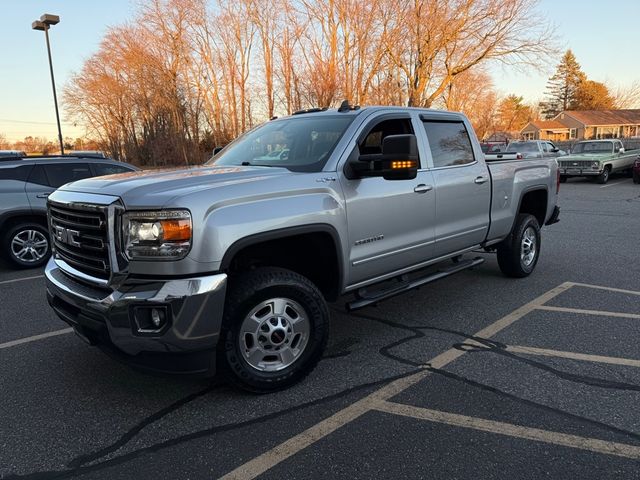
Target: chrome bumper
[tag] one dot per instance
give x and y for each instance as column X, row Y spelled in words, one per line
column 579, row 172
column 107, row 317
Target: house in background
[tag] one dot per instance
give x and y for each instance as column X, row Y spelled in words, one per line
column 546, row 130
column 585, row 124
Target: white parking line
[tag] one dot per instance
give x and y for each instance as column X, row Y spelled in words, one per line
column 613, row 184
column 602, row 313
column 628, row 362
column 34, row 338
column 511, row 430
column 288, row 448
column 609, row 289
column 20, row 279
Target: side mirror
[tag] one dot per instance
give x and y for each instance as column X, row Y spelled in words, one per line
column 621, row 150
column 399, row 160
column 555, row 150
column 216, row 150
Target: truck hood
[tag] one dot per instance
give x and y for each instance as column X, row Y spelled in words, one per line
column 156, row 188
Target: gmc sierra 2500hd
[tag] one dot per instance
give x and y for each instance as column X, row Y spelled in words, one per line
column 231, row 264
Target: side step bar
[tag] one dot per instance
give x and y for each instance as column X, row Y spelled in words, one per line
column 363, row 299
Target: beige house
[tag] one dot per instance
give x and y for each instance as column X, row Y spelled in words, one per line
column 585, row 124
column 545, row 130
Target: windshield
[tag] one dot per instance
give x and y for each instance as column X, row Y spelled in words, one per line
column 298, row 144
column 522, row 147
column 592, row 147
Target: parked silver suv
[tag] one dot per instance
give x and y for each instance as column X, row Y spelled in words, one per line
column 25, row 184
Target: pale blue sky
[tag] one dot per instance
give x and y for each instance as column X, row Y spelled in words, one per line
column 603, row 35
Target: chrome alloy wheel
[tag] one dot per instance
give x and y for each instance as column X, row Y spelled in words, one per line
column 274, row 334
column 29, row 246
column 528, row 247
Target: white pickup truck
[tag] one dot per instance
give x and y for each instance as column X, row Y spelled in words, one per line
column 526, row 149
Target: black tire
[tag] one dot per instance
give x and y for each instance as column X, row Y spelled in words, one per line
column 636, row 177
column 39, row 254
column 563, row 179
column 604, row 176
column 245, row 293
column 510, row 250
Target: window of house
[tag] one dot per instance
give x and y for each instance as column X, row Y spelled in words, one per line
column 449, row 143
column 573, row 133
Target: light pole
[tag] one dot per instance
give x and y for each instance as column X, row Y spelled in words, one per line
column 44, row 24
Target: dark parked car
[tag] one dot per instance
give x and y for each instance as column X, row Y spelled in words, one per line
column 636, row 170
column 25, row 184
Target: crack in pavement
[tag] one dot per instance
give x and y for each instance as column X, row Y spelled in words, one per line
column 499, row 348
column 82, row 469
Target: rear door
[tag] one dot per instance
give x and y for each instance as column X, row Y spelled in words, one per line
column 462, row 186
column 390, row 222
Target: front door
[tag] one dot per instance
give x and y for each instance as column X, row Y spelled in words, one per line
column 390, row 222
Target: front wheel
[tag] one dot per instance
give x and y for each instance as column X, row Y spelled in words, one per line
column 636, row 177
column 518, row 253
column 604, row 176
column 563, row 179
column 275, row 328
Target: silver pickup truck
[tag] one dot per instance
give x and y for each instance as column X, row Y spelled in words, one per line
column 230, row 266
column 525, row 149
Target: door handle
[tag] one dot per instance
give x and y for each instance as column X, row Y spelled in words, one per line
column 480, row 180
column 422, row 188
column 43, row 195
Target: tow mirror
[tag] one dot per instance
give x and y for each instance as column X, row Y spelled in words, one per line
column 399, row 159
column 216, row 150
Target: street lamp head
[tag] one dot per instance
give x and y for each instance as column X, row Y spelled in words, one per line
column 49, row 19
column 38, row 25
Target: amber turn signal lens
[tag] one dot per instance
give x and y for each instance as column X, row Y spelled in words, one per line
column 176, row 230
column 398, row 164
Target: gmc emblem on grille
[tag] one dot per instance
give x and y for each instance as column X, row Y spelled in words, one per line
column 66, row 235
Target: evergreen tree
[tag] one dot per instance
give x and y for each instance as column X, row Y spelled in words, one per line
column 562, row 87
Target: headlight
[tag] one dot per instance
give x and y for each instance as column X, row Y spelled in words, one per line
column 595, row 165
column 159, row 235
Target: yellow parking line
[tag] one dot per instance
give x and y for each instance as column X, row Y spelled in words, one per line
column 511, row 430
column 290, row 447
column 573, row 355
column 603, row 313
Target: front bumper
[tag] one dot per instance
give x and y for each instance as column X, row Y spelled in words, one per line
column 579, row 172
column 107, row 318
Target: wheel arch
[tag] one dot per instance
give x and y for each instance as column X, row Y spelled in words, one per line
column 286, row 248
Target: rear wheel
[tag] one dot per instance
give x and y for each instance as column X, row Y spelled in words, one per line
column 27, row 245
column 604, row 176
column 518, row 253
column 636, row 177
column 275, row 328
column 563, row 179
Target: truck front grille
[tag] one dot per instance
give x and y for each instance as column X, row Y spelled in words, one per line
column 80, row 238
column 575, row 164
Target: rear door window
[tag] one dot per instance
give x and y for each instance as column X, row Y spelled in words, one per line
column 100, row 169
column 449, row 143
column 61, row 173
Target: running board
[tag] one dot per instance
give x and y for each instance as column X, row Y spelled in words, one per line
column 363, row 299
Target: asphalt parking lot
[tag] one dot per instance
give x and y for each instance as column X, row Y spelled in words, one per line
column 477, row 376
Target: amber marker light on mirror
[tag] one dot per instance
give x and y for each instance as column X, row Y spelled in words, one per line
column 399, row 164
